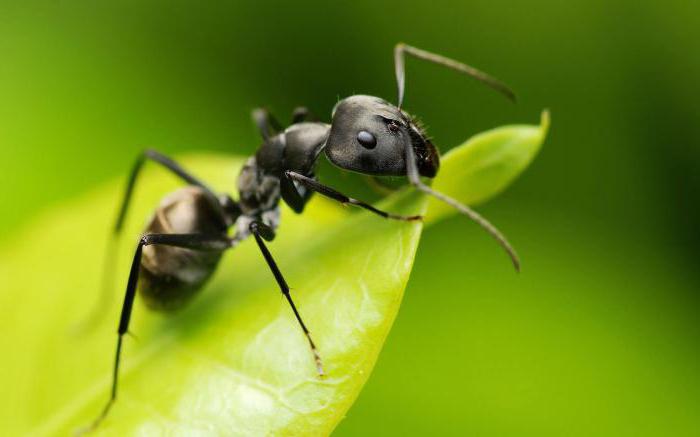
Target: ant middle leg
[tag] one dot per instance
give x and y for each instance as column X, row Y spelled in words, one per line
column 263, row 232
column 331, row 193
column 199, row 242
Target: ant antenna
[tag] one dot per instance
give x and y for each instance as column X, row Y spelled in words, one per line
column 412, row 168
column 414, row 177
column 479, row 75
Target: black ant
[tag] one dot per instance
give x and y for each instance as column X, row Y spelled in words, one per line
column 184, row 242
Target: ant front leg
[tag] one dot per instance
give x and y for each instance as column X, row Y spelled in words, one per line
column 331, row 193
column 263, row 232
column 187, row 241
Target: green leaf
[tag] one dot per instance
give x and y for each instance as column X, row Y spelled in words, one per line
column 234, row 359
column 486, row 164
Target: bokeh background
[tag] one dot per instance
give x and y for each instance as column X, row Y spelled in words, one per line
column 598, row 335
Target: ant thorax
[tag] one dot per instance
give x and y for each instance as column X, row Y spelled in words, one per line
column 259, row 196
column 258, row 191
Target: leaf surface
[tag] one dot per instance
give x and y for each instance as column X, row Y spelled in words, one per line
column 234, row 360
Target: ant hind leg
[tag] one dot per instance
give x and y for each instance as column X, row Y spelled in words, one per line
column 199, row 242
column 106, row 286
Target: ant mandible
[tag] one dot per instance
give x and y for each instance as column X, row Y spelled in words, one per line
column 184, row 241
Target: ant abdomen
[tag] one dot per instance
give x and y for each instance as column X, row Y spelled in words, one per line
column 170, row 276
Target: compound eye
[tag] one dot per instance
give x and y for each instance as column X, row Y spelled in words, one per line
column 366, row 139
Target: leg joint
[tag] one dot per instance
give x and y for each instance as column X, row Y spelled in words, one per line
column 263, row 230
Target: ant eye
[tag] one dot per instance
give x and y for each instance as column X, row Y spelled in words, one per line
column 366, row 139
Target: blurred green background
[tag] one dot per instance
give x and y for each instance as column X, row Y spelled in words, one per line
column 599, row 335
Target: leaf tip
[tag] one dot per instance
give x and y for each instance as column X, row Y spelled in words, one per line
column 545, row 121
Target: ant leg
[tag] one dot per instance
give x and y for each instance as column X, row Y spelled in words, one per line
column 168, row 164
column 291, row 196
column 414, row 178
column 301, row 114
column 188, row 241
column 261, row 231
column 266, row 122
column 329, row 192
column 400, row 70
column 379, row 186
column 108, row 265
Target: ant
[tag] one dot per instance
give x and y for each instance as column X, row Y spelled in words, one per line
column 184, row 241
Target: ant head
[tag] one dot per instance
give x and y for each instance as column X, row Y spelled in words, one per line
column 369, row 135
